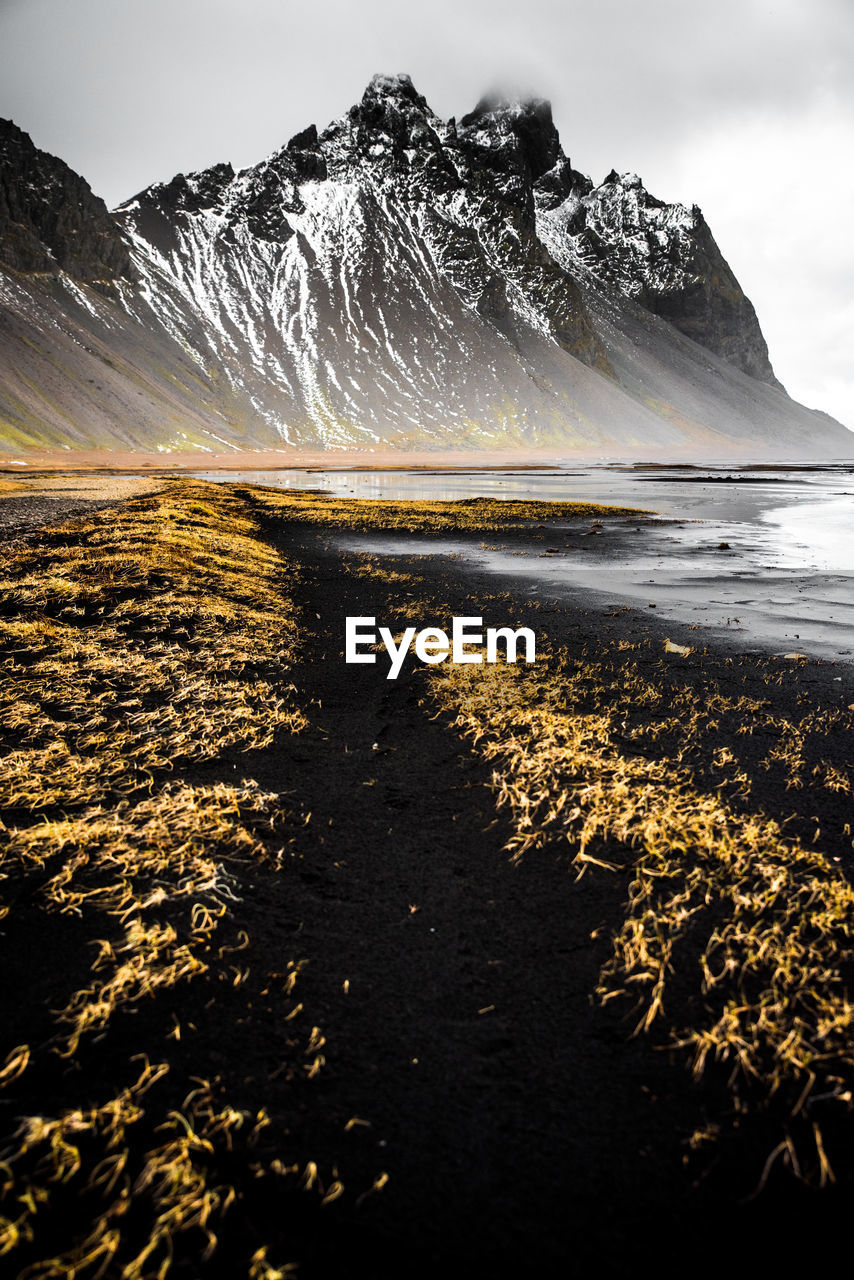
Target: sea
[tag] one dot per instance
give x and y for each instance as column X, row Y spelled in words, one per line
column 761, row 552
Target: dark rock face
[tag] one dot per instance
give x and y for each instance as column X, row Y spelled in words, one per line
column 662, row 255
column 711, row 307
column 515, row 144
column 49, row 218
column 190, row 193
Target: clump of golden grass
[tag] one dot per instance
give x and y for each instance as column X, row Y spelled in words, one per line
column 363, row 565
column 757, row 927
column 168, row 853
column 137, row 641
column 134, row 643
column 653, row 713
column 136, row 1190
column 425, row 515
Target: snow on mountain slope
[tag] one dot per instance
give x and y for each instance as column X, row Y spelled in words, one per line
column 84, row 363
column 77, row 370
column 662, row 255
column 402, row 281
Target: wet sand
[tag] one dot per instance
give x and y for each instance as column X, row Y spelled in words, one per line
column 702, row 591
column 292, row 457
column 765, row 555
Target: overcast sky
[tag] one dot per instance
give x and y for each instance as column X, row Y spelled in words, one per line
column 745, row 107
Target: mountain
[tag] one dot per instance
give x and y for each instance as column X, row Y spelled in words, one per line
column 396, row 281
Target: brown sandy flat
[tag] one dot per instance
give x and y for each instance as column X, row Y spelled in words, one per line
column 28, row 502
column 115, row 460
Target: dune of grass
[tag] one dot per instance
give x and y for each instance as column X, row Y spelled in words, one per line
column 136, row 645
column 426, row 515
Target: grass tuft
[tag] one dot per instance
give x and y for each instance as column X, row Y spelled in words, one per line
column 425, row 515
column 737, row 942
column 137, row 645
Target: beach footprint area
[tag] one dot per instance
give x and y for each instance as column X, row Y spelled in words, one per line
column 521, row 966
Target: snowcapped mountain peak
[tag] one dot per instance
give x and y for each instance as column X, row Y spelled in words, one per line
column 485, row 212
column 305, row 140
column 394, row 279
column 391, row 119
column 527, row 121
column 662, row 256
column 628, row 181
column 393, row 87
column 190, row 192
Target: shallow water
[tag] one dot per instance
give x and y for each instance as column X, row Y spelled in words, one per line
column 786, row 580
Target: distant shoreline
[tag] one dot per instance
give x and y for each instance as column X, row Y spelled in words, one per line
column 114, row 462
column 124, row 462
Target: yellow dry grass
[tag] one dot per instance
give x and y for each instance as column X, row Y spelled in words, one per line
column 426, row 515
column 736, row 941
column 136, row 643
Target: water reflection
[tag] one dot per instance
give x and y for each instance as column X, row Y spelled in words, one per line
column 802, row 517
column 786, row 578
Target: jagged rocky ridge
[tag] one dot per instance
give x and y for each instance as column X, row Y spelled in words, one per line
column 51, row 221
column 394, row 281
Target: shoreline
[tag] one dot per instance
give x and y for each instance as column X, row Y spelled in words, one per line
column 118, row 462
column 29, row 502
column 676, row 566
column 604, row 578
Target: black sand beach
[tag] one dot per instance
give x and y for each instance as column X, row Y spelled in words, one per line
column 533, row 1133
column 481, row 1110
